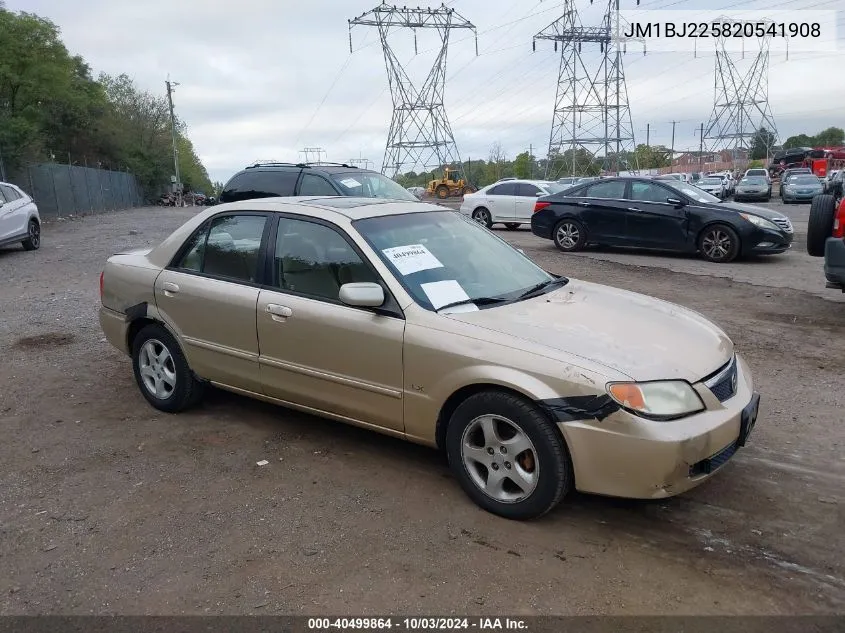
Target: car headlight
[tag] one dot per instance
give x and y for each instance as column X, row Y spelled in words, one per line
column 763, row 223
column 658, row 400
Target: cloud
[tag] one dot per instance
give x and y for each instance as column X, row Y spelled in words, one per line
column 263, row 79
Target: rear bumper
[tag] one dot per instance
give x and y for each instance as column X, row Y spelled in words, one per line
column 626, row 456
column 834, row 262
column 115, row 326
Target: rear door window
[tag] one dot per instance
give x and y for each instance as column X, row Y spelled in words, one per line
column 505, row 189
column 250, row 185
column 9, row 193
column 612, row 190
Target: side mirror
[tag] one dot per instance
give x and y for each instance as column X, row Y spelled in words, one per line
column 362, row 294
column 676, row 201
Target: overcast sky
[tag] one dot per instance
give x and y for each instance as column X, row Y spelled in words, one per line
column 262, row 79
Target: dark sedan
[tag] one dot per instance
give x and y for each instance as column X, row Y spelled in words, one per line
column 660, row 215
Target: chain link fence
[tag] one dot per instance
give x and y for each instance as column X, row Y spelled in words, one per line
column 63, row 190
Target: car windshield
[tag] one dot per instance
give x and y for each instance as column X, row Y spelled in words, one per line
column 754, row 180
column 710, row 181
column 804, row 180
column 692, row 191
column 442, row 258
column 369, row 184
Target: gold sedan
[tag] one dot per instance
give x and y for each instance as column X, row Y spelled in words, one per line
column 408, row 319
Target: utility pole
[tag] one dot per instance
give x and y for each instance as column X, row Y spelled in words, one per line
column 701, row 149
column 648, row 135
column 672, row 150
column 308, row 151
column 531, row 159
column 170, row 86
column 2, row 168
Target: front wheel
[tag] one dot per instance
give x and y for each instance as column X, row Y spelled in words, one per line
column 508, row 458
column 162, row 372
column 33, row 236
column 442, row 192
column 719, row 243
column 482, row 216
column 569, row 235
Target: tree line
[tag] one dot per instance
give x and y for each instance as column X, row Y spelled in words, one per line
column 52, row 109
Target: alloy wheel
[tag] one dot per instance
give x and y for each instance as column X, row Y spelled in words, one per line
column 568, row 235
column 157, row 369
column 482, row 216
column 716, row 244
column 500, row 458
column 34, row 234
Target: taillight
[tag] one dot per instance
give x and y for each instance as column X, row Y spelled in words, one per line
column 538, row 206
column 839, row 220
column 102, row 274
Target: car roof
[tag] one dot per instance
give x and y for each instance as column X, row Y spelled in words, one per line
column 353, row 208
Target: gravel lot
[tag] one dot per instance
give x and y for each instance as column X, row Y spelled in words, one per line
column 108, row 506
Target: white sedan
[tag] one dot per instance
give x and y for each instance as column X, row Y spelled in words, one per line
column 509, row 202
column 19, row 219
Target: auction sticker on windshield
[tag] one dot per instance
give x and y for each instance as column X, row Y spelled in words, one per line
column 442, row 293
column 411, row 259
column 351, row 183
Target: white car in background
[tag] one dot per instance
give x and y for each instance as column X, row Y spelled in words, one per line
column 19, row 219
column 714, row 185
column 509, row 202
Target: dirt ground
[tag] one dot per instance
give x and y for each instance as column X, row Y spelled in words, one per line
column 108, row 506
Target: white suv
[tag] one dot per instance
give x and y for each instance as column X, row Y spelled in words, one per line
column 19, row 219
column 509, row 202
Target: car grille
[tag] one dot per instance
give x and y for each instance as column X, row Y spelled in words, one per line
column 784, row 223
column 723, row 382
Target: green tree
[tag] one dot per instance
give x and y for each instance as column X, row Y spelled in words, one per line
column 761, row 144
column 523, row 164
column 831, row 137
column 800, row 140
column 651, row 157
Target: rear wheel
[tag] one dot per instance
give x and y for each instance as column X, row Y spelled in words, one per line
column 33, row 236
column 508, row 457
column 718, row 243
column 820, row 223
column 482, row 216
column 569, row 235
column 162, row 372
column 512, row 225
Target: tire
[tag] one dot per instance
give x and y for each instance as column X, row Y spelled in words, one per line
column 718, row 243
column 483, row 216
column 468, row 190
column 512, row 226
column 185, row 390
column 820, row 223
column 33, row 240
column 543, row 470
column 442, row 192
column 574, row 230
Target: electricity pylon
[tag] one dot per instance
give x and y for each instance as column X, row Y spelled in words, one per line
column 741, row 103
column 420, row 136
column 592, row 118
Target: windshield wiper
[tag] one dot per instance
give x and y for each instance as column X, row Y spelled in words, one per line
column 480, row 301
column 562, row 281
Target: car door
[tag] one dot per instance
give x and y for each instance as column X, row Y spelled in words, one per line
column 317, row 352
column 209, row 295
column 526, row 198
column 501, row 200
column 652, row 222
column 603, row 211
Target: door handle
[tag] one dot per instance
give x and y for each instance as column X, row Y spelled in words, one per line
column 169, row 288
column 583, row 204
column 278, row 312
column 635, row 209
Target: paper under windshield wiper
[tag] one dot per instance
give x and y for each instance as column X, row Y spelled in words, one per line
column 480, row 301
column 542, row 286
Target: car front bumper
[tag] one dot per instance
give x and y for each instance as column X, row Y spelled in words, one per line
column 834, row 262
column 627, row 456
column 751, row 195
column 800, row 197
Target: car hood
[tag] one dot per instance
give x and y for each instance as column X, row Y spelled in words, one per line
column 752, row 208
column 639, row 336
